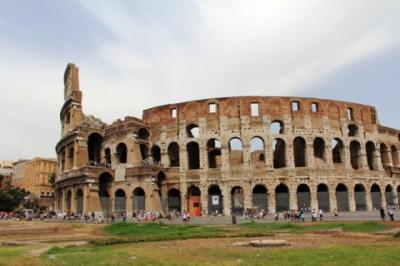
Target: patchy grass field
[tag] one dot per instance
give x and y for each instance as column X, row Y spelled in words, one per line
column 160, row 244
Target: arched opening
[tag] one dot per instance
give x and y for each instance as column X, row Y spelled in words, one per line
column 303, row 197
column 59, row 200
column 342, row 198
column 143, row 134
column 260, row 197
column 79, row 201
column 257, row 151
column 122, row 153
column 237, row 201
column 299, row 149
column 139, row 200
column 62, row 160
column 215, row 202
column 173, row 153
column 120, row 202
column 144, row 151
column 282, row 199
column 68, row 201
column 353, row 130
column 277, row 127
column 193, row 152
column 214, row 153
column 370, row 149
column 395, row 156
column 359, row 197
column 319, row 149
column 95, row 141
column 107, row 156
column 235, row 151
column 193, row 131
column 323, row 197
column 384, row 155
column 105, row 183
column 279, row 151
column 389, row 195
column 376, row 197
column 174, row 200
column 355, row 149
column 156, row 154
column 337, row 150
column 71, row 153
column 193, row 201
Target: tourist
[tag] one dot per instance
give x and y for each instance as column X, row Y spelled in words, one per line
column 382, row 213
column 391, row 214
column 184, row 217
column 321, row 215
column 302, row 215
column 277, row 216
column 314, row 216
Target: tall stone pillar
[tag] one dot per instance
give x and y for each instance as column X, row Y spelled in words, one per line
column 352, row 201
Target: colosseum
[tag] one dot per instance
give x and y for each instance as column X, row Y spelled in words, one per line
column 224, row 155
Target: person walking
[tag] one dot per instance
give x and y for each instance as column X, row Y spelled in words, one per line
column 382, row 213
column 391, row 214
column 321, row 215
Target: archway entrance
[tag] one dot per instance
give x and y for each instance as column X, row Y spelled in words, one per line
column 68, row 201
column 260, row 198
column 237, row 200
column 174, row 200
column 282, row 199
column 303, row 197
column 376, row 197
column 359, row 197
column 193, row 201
column 120, row 202
column 389, row 195
column 342, row 198
column 79, row 202
column 139, row 200
column 105, row 182
column 215, row 200
column 323, row 197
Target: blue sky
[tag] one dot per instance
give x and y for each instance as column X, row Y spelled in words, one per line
column 134, row 55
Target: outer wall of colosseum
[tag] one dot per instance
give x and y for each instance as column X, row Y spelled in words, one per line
column 227, row 154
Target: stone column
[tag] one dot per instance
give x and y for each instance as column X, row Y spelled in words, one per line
column 332, row 198
column 368, row 199
column 289, row 157
column 204, row 199
column 247, row 195
column 293, row 197
column 314, row 198
column 271, row 199
column 352, row 201
column 227, row 199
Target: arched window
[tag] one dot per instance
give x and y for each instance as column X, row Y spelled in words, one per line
column 279, row 151
column 193, row 131
column 107, row 153
column 193, row 152
column 384, row 155
column 299, row 149
column 173, row 153
column 337, row 150
column 156, row 154
column 370, row 149
column 94, row 147
column 277, row 127
column 319, row 148
column 353, row 130
column 355, row 148
column 395, row 156
column 143, row 134
column 257, row 153
column 122, row 153
column 235, row 151
column 214, row 153
column 144, row 150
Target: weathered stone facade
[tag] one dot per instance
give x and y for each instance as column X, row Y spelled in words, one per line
column 226, row 154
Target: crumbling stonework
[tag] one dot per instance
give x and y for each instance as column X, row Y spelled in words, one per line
column 226, row 154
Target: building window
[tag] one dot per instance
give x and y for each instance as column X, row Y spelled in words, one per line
column 212, row 108
column 350, row 114
column 295, row 106
column 314, row 107
column 254, row 109
column 173, row 113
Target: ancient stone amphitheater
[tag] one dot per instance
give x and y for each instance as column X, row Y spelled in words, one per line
column 223, row 155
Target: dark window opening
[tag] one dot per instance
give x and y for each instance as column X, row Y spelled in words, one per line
column 193, row 131
column 355, row 154
column 384, row 155
column 319, row 148
column 193, row 152
column 370, row 149
column 156, row 154
column 337, row 150
column 143, row 134
column 299, row 149
column 95, row 141
column 395, row 156
column 279, row 151
column 108, row 157
column 122, row 153
column 353, row 130
column 173, row 153
column 214, row 153
column 144, row 150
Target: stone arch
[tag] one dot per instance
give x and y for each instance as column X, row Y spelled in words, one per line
column 342, row 198
column 319, row 148
column 71, row 154
column 282, row 198
column 389, row 195
column 237, row 200
column 277, row 127
column 355, row 158
column 359, row 197
column 68, row 201
column 279, row 153
column 95, row 141
column 384, row 154
column 173, row 153
column 235, row 151
column 144, row 151
column 143, row 134
column 193, row 131
column 79, row 201
column 107, row 157
column 395, row 156
column 257, row 150
column 105, row 183
column 337, row 150
column 303, row 197
column 174, row 200
column 193, row 152
column 260, row 197
column 214, row 153
column 376, row 197
column 194, row 200
column 323, row 197
column 352, row 130
column 300, row 152
column 215, row 200
column 156, row 154
column 120, row 201
column 122, row 153
column 371, row 150
column 139, row 200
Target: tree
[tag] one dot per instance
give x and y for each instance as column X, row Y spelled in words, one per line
column 11, row 199
column 52, row 179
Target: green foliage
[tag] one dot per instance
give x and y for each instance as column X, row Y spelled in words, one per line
column 11, row 199
column 52, row 179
